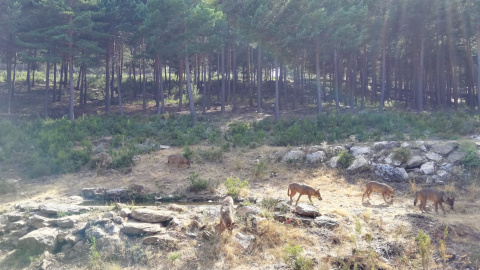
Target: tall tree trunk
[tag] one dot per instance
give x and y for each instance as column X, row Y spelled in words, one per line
column 248, row 79
column 9, row 79
column 478, row 68
column 112, row 81
column 189, row 86
column 259, row 80
column 134, row 73
column 14, row 73
column 47, row 86
column 54, row 81
column 235, row 79
column 223, row 80
column 29, row 87
column 204, row 71
column 119, row 80
column 107, row 80
column 71, row 100
column 144, row 86
column 317, row 69
column 382, row 92
column 335, row 67
column 85, row 86
column 420, row 76
column 180, row 87
column 277, row 95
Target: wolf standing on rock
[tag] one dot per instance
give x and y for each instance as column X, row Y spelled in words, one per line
column 438, row 197
column 301, row 189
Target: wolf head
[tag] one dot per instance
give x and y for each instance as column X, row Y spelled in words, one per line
column 317, row 194
column 450, row 201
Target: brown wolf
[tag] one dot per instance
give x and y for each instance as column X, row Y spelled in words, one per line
column 179, row 161
column 438, row 197
column 301, row 189
column 226, row 215
column 382, row 188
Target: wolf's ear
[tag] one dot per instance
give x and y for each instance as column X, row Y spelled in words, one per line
column 318, row 190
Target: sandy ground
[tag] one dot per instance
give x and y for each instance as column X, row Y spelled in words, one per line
column 342, row 199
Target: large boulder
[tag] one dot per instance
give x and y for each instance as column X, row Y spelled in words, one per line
column 326, row 222
column 248, row 210
column 43, row 238
column 55, row 209
column 244, row 240
column 333, row 162
column 428, row 168
column 360, row 150
column 414, row 162
column 307, row 210
column 294, row 156
column 14, row 216
column 139, row 228
column 152, row 216
column 433, row 156
column 165, row 240
column 93, row 193
column 390, row 159
column 444, row 148
column 390, row 173
column 456, row 157
column 316, row 157
column 38, row 222
column 116, row 193
column 360, row 164
column 377, row 146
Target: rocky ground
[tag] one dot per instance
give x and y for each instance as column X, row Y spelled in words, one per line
column 46, row 225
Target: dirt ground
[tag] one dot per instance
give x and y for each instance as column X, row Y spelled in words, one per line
column 388, row 229
column 342, row 199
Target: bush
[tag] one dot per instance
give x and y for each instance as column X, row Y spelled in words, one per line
column 345, row 159
column 402, row 154
column 295, row 260
column 187, row 152
column 423, row 242
column 235, row 186
column 197, row 183
column 470, row 160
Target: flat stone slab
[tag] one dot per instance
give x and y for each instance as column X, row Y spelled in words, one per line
column 164, row 240
column 54, row 209
column 139, row 228
column 307, row 210
column 326, row 222
column 152, row 216
column 43, row 238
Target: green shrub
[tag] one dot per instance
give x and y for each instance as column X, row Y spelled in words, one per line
column 197, row 183
column 212, row 154
column 402, row 154
column 423, row 242
column 295, row 259
column 234, row 186
column 187, row 152
column 122, row 158
column 470, row 160
column 260, row 169
column 345, row 159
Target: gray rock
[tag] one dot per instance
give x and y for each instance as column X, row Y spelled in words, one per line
column 360, row 164
column 152, row 216
column 390, row 159
column 164, row 240
column 415, row 161
column 66, row 222
column 428, row 168
column 377, row 146
column 93, row 193
column 176, row 208
column 390, row 173
column 54, row 209
column 118, row 220
column 442, row 174
column 37, row 222
column 444, row 148
column 316, row 157
column 111, row 244
column 455, row 157
column 334, row 150
column 14, row 216
column 96, row 232
column 360, row 150
column 16, row 225
column 124, row 212
column 333, row 162
column 116, row 193
column 244, row 240
column 139, row 228
column 434, row 156
column 306, row 210
column 301, row 221
column 326, row 222
column 248, row 210
column 294, row 156
column 43, row 238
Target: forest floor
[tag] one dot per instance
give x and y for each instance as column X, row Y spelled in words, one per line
column 387, row 229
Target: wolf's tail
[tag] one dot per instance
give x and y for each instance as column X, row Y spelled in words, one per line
column 416, row 197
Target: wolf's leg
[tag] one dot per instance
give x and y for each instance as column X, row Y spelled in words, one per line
column 292, row 193
column 299, row 195
column 443, row 209
column 310, row 198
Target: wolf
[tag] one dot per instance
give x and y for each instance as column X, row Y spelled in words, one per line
column 301, row 189
column 382, row 188
column 226, row 215
column 179, row 161
column 437, row 196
